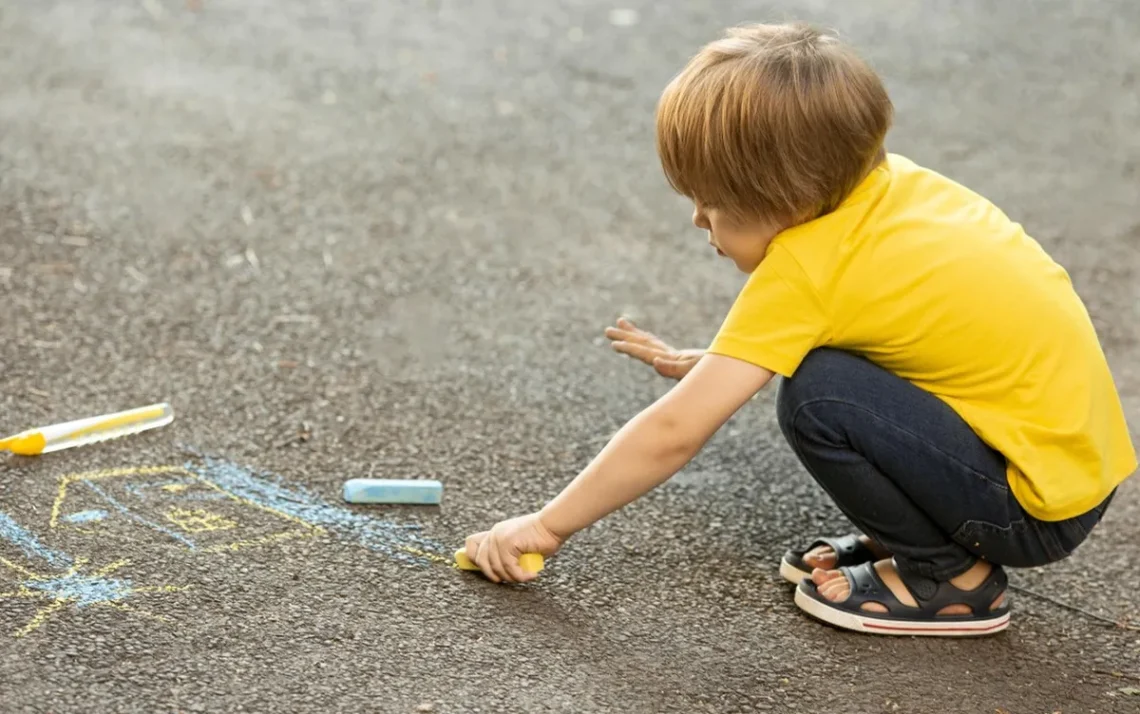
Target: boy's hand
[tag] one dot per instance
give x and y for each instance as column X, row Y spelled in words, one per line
column 631, row 340
column 497, row 551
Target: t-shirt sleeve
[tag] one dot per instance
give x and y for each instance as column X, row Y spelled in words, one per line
column 777, row 319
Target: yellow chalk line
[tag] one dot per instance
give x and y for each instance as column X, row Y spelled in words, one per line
column 107, row 569
column 61, row 493
column 285, row 535
column 429, row 556
column 40, row 617
column 21, row 570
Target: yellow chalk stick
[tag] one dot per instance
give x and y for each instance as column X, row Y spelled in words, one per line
column 530, row 562
column 87, row 431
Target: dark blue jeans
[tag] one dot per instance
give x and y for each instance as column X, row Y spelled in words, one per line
column 910, row 473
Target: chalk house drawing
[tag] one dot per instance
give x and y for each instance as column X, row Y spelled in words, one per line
column 209, row 506
column 180, row 505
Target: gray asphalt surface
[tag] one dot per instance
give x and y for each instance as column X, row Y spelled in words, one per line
column 351, row 238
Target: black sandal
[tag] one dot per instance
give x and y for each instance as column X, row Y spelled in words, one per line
column 900, row 619
column 849, row 550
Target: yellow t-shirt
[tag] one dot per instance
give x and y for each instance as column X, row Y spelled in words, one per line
column 932, row 282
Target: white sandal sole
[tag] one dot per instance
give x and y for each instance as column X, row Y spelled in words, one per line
column 881, row 626
column 791, row 573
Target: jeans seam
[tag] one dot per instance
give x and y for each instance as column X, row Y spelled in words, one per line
column 1051, row 548
column 831, row 400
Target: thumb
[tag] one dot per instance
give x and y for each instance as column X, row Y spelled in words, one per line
column 674, row 369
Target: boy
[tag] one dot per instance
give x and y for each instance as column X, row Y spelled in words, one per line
column 942, row 380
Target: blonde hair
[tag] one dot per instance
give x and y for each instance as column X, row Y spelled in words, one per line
column 772, row 121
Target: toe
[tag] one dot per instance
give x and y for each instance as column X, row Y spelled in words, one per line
column 836, row 590
column 821, row 557
column 819, row 576
column 831, row 584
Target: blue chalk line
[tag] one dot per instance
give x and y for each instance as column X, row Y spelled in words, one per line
column 136, row 517
column 94, row 514
column 75, row 588
column 83, row 590
column 266, row 490
column 14, row 533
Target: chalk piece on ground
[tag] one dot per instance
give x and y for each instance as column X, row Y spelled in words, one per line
column 530, row 562
column 382, row 490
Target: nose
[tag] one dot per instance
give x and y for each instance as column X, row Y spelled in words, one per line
column 700, row 220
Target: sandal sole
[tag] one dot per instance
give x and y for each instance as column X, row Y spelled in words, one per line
column 879, row 626
column 791, row 573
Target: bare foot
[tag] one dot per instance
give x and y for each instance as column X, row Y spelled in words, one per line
column 823, row 556
column 833, row 585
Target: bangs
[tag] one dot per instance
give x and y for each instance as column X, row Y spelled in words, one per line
column 687, row 143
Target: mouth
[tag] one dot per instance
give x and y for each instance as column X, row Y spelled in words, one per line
column 720, row 252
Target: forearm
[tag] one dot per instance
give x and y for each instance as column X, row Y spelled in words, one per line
column 656, row 443
column 645, row 453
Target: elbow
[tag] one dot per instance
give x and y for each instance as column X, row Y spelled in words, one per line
column 675, row 438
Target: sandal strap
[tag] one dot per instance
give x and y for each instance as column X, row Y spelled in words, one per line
column 932, row 595
column 849, row 549
column 866, row 586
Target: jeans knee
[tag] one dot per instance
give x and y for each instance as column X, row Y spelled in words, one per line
column 787, row 404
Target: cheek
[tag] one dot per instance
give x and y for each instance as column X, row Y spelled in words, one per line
column 731, row 240
column 717, row 225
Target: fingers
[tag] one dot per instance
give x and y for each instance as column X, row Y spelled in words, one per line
column 645, row 353
column 484, row 552
column 497, row 552
column 638, row 336
column 628, row 331
column 616, row 333
column 495, row 559
column 627, row 324
column 631, row 340
column 471, row 545
column 515, row 573
column 482, row 558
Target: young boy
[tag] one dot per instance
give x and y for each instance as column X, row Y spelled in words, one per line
column 942, row 380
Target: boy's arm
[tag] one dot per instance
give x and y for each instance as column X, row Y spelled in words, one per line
column 656, row 443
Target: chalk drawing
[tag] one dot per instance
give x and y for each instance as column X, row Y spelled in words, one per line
column 176, row 483
column 12, row 532
column 246, row 509
column 144, row 497
column 95, row 514
column 257, row 502
column 398, row 541
column 71, row 588
column 110, row 500
column 199, row 520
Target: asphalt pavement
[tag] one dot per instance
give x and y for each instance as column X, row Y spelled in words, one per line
column 383, row 238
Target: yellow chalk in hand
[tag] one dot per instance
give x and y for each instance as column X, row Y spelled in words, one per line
column 530, row 562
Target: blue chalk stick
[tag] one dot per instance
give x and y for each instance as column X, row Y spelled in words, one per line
column 382, row 490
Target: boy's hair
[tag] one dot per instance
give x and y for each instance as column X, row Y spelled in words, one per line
column 772, row 121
